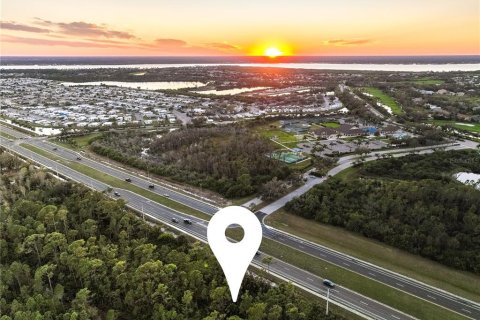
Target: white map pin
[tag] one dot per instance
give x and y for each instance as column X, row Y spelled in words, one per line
column 234, row 258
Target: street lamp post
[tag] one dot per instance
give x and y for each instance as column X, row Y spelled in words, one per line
column 328, row 296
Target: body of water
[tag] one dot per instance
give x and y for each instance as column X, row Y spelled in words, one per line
column 443, row 67
column 230, row 91
column 355, row 63
column 140, row 85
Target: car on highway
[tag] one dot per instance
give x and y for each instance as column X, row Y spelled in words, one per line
column 166, row 195
column 187, row 221
column 151, row 186
column 128, row 180
column 78, row 158
column 174, row 220
column 328, row 283
column 116, row 194
column 55, row 149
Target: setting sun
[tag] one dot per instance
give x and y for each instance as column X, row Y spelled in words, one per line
column 273, row 52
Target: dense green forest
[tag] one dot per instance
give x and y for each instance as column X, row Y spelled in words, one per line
column 229, row 160
column 412, row 203
column 70, row 253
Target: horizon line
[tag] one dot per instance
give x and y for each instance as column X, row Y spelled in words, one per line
column 238, row 56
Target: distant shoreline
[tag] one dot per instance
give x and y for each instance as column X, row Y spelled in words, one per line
column 129, row 60
column 445, row 67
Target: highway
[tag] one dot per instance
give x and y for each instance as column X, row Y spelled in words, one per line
column 340, row 295
column 460, row 305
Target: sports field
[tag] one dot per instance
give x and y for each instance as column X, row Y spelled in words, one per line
column 287, row 156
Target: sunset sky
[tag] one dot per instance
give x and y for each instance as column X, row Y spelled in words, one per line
column 232, row 27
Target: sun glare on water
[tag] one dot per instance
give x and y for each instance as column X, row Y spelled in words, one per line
column 273, row 52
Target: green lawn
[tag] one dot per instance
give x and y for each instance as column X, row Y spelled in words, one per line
column 80, row 142
column 117, row 183
column 385, row 99
column 370, row 288
column 428, row 81
column 430, row 272
column 330, row 124
column 273, row 130
column 279, row 135
column 472, row 127
column 302, row 165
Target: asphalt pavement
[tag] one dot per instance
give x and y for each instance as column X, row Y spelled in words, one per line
column 434, row 295
column 339, row 295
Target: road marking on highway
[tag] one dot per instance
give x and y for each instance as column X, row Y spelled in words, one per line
column 395, row 316
column 310, row 279
column 372, row 274
column 346, row 264
column 399, row 284
column 286, row 268
column 364, row 302
column 431, row 297
column 468, row 311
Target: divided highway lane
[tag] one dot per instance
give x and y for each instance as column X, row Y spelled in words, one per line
column 458, row 304
column 13, row 133
column 356, row 303
column 122, row 175
column 444, row 299
column 342, row 296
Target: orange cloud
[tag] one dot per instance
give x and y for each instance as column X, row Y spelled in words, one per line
column 170, row 43
column 342, row 42
column 10, row 25
column 52, row 42
column 221, row 45
column 80, row 28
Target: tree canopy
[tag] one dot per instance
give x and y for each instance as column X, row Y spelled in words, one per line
column 70, row 253
column 412, row 203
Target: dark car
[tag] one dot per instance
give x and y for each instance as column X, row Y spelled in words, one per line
column 187, row 221
column 116, row 194
column 329, row 283
column 78, row 158
column 151, row 186
column 174, row 220
column 54, row 149
column 128, row 180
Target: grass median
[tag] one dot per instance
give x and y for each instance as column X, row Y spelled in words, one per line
column 118, row 183
column 358, row 283
column 7, row 136
column 413, row 266
column 382, row 293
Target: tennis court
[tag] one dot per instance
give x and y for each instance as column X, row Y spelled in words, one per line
column 287, row 156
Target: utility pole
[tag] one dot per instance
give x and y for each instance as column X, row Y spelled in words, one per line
column 328, row 295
